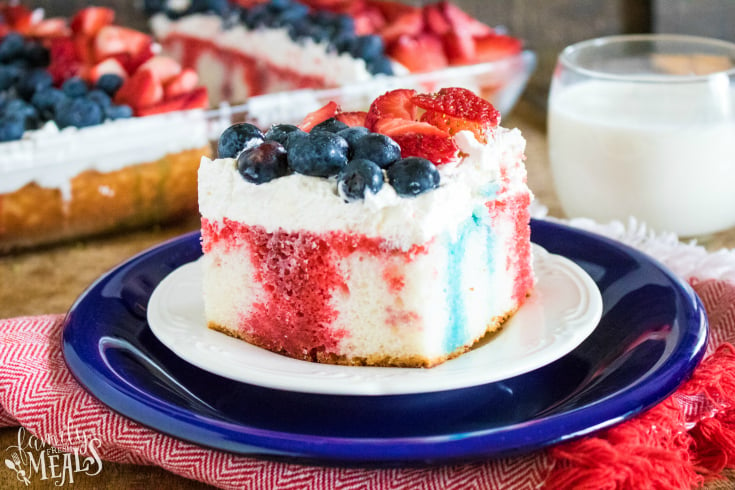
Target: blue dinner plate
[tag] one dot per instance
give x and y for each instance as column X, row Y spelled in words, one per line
column 651, row 336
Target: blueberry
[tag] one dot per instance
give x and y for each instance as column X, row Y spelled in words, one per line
column 280, row 132
column 23, row 110
column 118, row 112
column 46, row 100
column 151, row 7
column 11, row 128
column 320, row 154
column 377, row 147
column 219, row 7
column 35, row 80
column 380, row 65
column 74, row 87
column 263, row 163
column 9, row 76
column 36, row 55
column 79, row 112
column 331, row 125
column 99, row 97
column 413, row 176
column 237, row 138
column 357, row 177
column 109, row 83
column 11, row 47
column 368, row 47
column 352, row 134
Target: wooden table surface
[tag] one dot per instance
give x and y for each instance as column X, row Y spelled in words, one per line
column 49, row 280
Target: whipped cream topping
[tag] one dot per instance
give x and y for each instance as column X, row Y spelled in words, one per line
column 52, row 157
column 271, row 44
column 299, row 202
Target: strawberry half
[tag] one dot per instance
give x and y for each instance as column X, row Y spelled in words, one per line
column 420, row 53
column 115, row 40
column 330, row 109
column 195, row 99
column 186, row 81
column 496, row 46
column 90, row 20
column 394, row 104
column 141, row 90
column 455, row 109
column 420, row 139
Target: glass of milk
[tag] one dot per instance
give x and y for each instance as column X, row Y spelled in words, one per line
column 644, row 126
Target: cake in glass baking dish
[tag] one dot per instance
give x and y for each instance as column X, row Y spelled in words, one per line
column 397, row 236
column 97, row 132
column 246, row 48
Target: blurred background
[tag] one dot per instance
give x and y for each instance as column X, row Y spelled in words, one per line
column 546, row 26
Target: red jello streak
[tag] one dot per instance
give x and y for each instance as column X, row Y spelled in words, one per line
column 300, row 274
column 519, row 257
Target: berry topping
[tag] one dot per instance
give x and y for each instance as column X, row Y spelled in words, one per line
column 352, row 118
column 331, row 125
column 321, row 154
column 378, row 148
column 413, row 176
column 35, row 80
column 394, row 104
column 280, row 133
column 352, row 134
column 330, row 109
column 237, row 138
column 11, row 127
column 46, row 101
column 420, row 139
column 359, row 176
column 263, row 163
column 109, row 83
column 456, row 109
column 79, row 112
column 74, row 87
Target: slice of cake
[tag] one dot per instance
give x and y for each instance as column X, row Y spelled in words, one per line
column 260, row 47
column 393, row 237
column 97, row 133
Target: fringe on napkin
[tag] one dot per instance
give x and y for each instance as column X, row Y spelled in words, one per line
column 690, row 437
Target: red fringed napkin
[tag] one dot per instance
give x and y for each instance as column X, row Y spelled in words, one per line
column 682, row 442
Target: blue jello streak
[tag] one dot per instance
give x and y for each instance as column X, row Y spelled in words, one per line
column 477, row 224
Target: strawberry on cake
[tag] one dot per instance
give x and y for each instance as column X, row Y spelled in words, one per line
column 97, row 133
column 394, row 237
column 251, row 47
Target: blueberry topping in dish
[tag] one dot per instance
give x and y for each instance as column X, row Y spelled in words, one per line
column 237, row 138
column 263, row 163
column 358, row 177
column 413, row 176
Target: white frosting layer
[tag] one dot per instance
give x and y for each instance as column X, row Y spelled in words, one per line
column 51, row 157
column 299, row 202
column 272, row 45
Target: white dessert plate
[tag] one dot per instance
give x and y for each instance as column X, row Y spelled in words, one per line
column 563, row 310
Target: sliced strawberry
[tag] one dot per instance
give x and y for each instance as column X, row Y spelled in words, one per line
column 186, row 81
column 90, row 20
column 113, row 40
column 163, row 67
column 195, row 99
column 143, row 89
column 369, row 21
column 330, row 109
column 49, row 28
column 435, row 20
column 410, row 22
column 392, row 11
column 496, row 46
column 352, row 118
column 455, row 109
column 459, row 47
column 461, row 21
column 84, row 48
column 420, row 139
column 418, row 53
column 110, row 65
column 132, row 62
column 64, row 60
column 394, row 104
column 20, row 18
